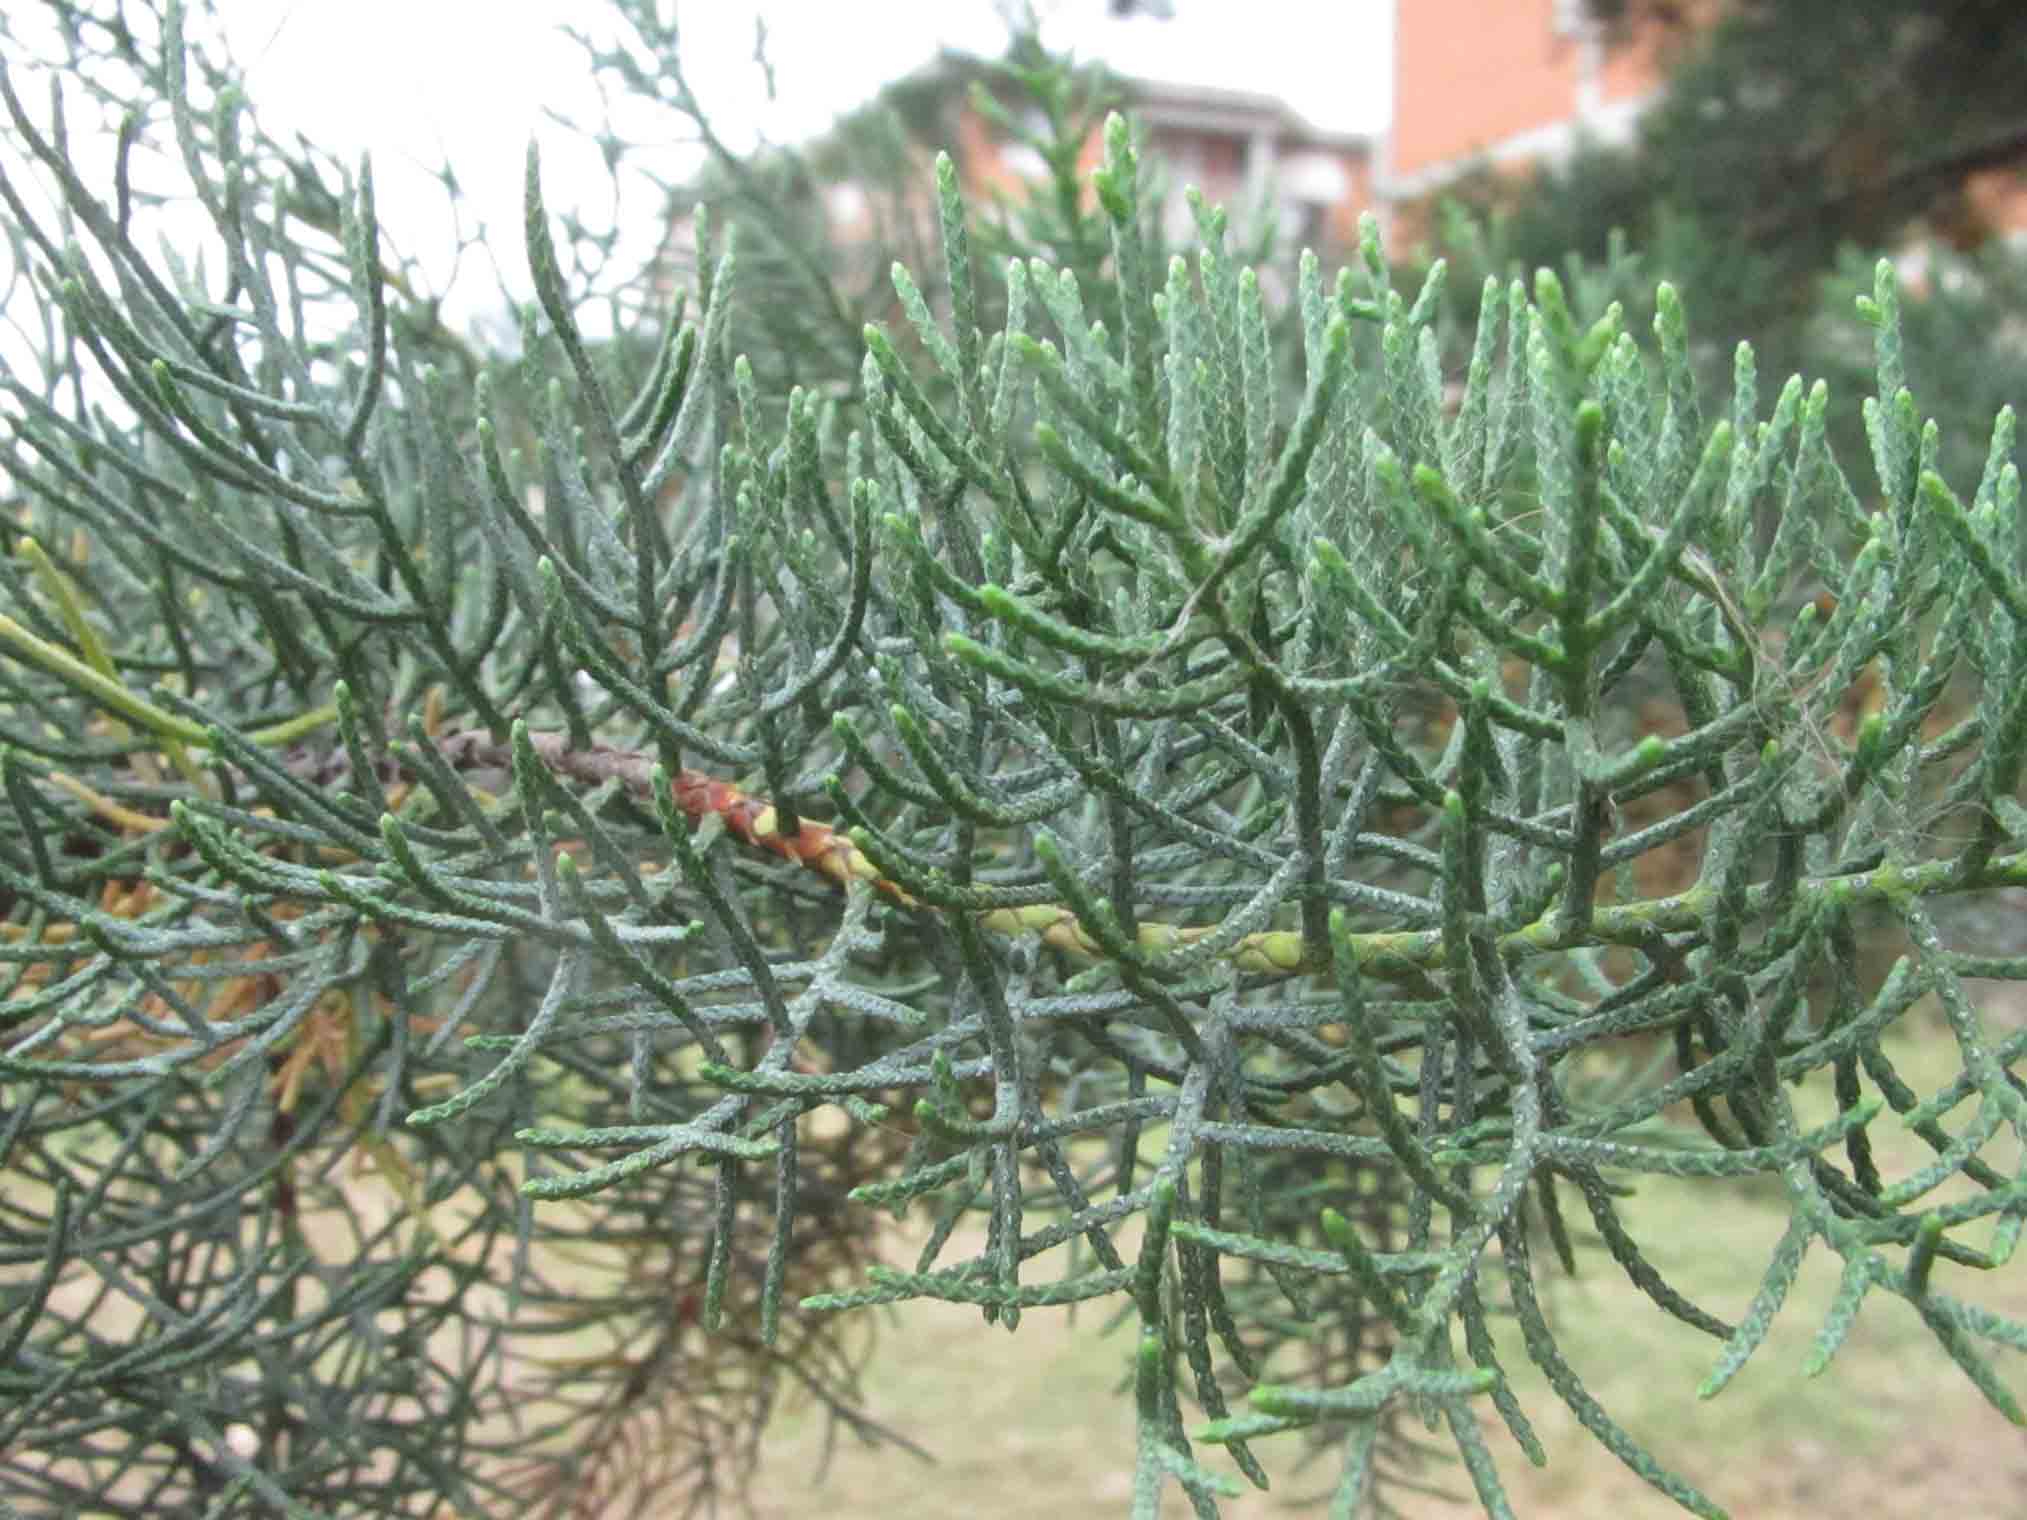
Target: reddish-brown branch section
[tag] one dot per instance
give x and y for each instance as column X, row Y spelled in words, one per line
column 818, row 847
column 750, row 819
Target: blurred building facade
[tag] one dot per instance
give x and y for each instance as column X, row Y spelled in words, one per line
column 1240, row 149
column 1253, row 151
column 1512, row 85
column 1506, row 85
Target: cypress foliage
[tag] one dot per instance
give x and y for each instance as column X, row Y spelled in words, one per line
column 503, row 860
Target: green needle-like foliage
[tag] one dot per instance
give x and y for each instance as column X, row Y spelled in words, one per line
column 503, row 858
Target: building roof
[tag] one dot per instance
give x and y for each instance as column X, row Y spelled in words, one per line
column 1179, row 103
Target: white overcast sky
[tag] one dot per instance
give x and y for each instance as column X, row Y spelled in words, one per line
column 474, row 70
column 468, row 80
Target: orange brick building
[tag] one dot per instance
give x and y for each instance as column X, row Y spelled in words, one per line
column 1512, row 83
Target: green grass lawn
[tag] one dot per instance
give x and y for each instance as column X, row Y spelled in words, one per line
column 1036, row 1425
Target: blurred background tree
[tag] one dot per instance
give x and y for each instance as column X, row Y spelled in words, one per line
column 1789, row 135
column 1812, row 123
